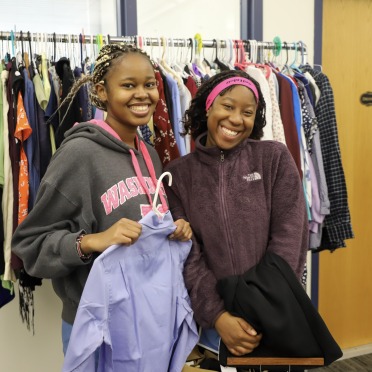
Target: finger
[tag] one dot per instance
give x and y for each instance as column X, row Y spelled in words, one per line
column 247, row 328
column 238, row 351
column 127, row 241
column 136, row 229
column 176, row 233
column 130, row 224
column 183, row 231
column 132, row 235
column 185, row 238
column 249, row 346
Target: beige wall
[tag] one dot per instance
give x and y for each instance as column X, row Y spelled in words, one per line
column 213, row 19
column 291, row 20
column 61, row 17
column 22, row 351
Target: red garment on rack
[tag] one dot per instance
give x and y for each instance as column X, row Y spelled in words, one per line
column 165, row 142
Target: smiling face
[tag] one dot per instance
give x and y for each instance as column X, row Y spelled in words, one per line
column 231, row 118
column 130, row 94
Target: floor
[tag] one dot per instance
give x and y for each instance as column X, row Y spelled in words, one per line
column 361, row 363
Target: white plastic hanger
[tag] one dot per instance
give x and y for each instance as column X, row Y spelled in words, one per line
column 156, row 195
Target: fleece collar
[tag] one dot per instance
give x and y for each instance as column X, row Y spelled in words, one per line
column 213, row 155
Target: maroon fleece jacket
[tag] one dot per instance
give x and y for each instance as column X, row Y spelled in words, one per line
column 240, row 203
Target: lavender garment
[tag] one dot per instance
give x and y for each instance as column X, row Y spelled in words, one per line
column 135, row 307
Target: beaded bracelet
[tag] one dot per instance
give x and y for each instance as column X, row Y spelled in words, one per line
column 82, row 255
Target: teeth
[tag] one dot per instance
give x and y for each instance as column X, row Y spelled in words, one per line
column 139, row 108
column 229, row 132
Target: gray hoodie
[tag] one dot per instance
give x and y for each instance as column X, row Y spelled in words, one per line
column 89, row 185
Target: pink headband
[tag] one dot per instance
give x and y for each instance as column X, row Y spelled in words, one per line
column 227, row 83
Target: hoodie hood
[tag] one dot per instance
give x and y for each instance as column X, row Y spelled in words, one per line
column 100, row 132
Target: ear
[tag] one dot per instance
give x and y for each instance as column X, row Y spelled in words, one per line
column 101, row 91
column 207, row 113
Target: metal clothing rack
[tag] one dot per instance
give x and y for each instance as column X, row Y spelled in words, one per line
column 147, row 41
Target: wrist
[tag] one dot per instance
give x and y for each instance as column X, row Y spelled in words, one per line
column 219, row 317
column 79, row 248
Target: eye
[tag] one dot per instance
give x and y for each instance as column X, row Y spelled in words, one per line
column 127, row 85
column 151, row 84
column 247, row 113
column 227, row 107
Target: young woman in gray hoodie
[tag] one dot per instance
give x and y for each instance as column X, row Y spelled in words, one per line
column 90, row 197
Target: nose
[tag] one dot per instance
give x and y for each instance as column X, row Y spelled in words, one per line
column 236, row 117
column 140, row 92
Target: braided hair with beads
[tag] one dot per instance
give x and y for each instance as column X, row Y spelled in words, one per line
column 195, row 120
column 108, row 56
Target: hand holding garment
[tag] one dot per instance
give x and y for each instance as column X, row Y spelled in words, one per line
column 135, row 307
column 270, row 298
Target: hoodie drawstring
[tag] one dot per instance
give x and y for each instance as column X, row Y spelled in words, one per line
column 151, row 170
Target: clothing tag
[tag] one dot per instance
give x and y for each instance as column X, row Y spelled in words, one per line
column 228, row 369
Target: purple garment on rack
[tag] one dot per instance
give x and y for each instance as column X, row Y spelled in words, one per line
column 195, row 68
column 32, row 145
column 98, row 114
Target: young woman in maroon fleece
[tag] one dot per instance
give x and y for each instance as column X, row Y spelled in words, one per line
column 242, row 197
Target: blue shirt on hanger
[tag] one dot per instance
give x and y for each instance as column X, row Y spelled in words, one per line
column 135, row 307
column 176, row 114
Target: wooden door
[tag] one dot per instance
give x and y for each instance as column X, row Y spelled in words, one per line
column 345, row 279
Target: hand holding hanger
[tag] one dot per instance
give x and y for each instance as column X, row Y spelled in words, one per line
column 155, row 208
column 183, row 230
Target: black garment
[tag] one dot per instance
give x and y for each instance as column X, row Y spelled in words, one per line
column 5, row 296
column 271, row 299
column 15, row 85
column 221, row 65
column 44, row 141
column 83, row 97
column 73, row 115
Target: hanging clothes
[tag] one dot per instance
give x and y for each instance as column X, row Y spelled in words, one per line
column 74, row 113
column 259, row 76
column 288, row 119
column 1, row 130
column 337, row 225
column 22, row 133
column 175, row 113
column 308, row 129
column 7, row 195
column 165, row 142
column 278, row 128
column 14, row 85
column 32, row 145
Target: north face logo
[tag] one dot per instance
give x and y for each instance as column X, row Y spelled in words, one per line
column 252, row 177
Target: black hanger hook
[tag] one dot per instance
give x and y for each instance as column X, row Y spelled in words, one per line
column 192, row 49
